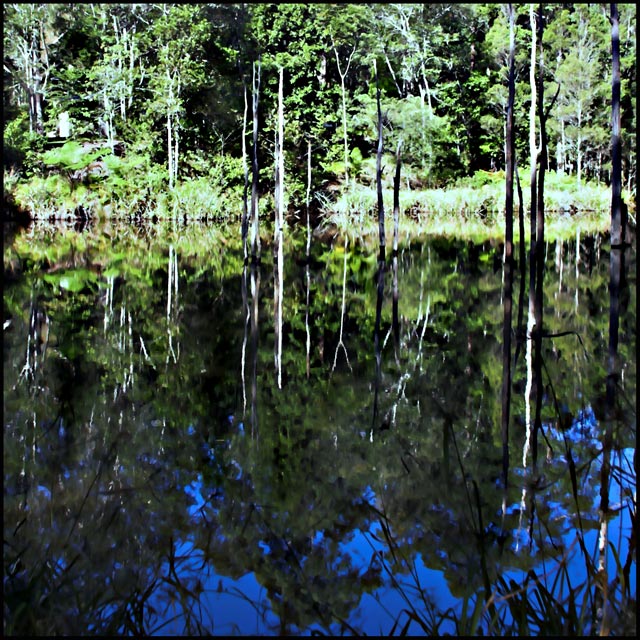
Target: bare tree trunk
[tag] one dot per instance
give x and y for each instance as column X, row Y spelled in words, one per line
column 530, row 390
column 279, row 158
column 540, row 246
column 308, row 198
column 170, row 111
column 618, row 210
column 247, row 309
column 108, row 118
column 176, row 132
column 245, row 167
column 122, row 49
column 376, row 337
column 393, row 75
column 342, row 310
column 564, row 147
column 307, row 280
column 508, row 254
column 533, row 151
column 277, row 312
column 559, row 165
column 308, row 252
column 176, row 150
column 255, row 229
column 396, row 196
column 618, row 234
column 426, row 89
column 40, row 75
column 396, row 223
column 344, row 131
column 382, row 240
column 521, row 334
column 579, row 154
column 278, row 232
column 169, row 150
column 343, row 76
column 255, row 295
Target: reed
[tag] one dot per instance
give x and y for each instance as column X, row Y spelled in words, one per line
column 472, row 208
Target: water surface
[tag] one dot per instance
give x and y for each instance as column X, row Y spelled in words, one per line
column 188, row 451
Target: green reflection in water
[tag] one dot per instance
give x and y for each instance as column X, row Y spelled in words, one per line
column 148, row 448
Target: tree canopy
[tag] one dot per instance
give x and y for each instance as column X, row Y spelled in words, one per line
column 168, row 82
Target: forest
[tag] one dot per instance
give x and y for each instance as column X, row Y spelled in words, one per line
column 173, row 109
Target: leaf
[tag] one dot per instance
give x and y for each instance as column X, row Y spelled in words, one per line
column 73, row 281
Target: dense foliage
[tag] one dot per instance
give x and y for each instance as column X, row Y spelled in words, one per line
column 144, row 106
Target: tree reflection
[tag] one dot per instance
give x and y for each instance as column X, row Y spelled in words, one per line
column 376, row 336
column 255, row 294
column 154, row 504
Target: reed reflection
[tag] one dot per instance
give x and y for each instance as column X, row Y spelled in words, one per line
column 255, row 298
column 376, row 336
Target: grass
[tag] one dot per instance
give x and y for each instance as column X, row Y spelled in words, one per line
column 142, row 194
column 473, row 208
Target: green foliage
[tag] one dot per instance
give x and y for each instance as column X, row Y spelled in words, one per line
column 477, row 201
column 45, row 197
column 197, row 198
column 17, row 140
column 481, row 178
column 355, row 160
column 226, row 171
column 125, row 72
column 73, row 281
column 72, row 155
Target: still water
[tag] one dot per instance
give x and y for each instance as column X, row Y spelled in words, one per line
column 192, row 446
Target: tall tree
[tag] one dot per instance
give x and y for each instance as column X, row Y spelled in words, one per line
column 396, row 223
column 616, row 274
column 29, row 36
column 177, row 38
column 579, row 70
column 381, row 234
column 278, row 229
column 297, row 37
column 543, row 113
column 508, row 251
column 255, row 223
column 531, row 320
column 349, row 29
column 244, row 225
column 343, row 70
column 618, row 211
column 112, row 75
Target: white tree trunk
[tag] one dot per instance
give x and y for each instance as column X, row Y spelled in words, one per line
column 279, row 157
column 169, row 150
column 343, row 75
column 308, row 195
column 579, row 155
column 279, row 196
column 176, row 137
column 255, row 231
column 245, row 169
column 344, row 132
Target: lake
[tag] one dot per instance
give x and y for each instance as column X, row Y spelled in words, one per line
column 195, row 446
